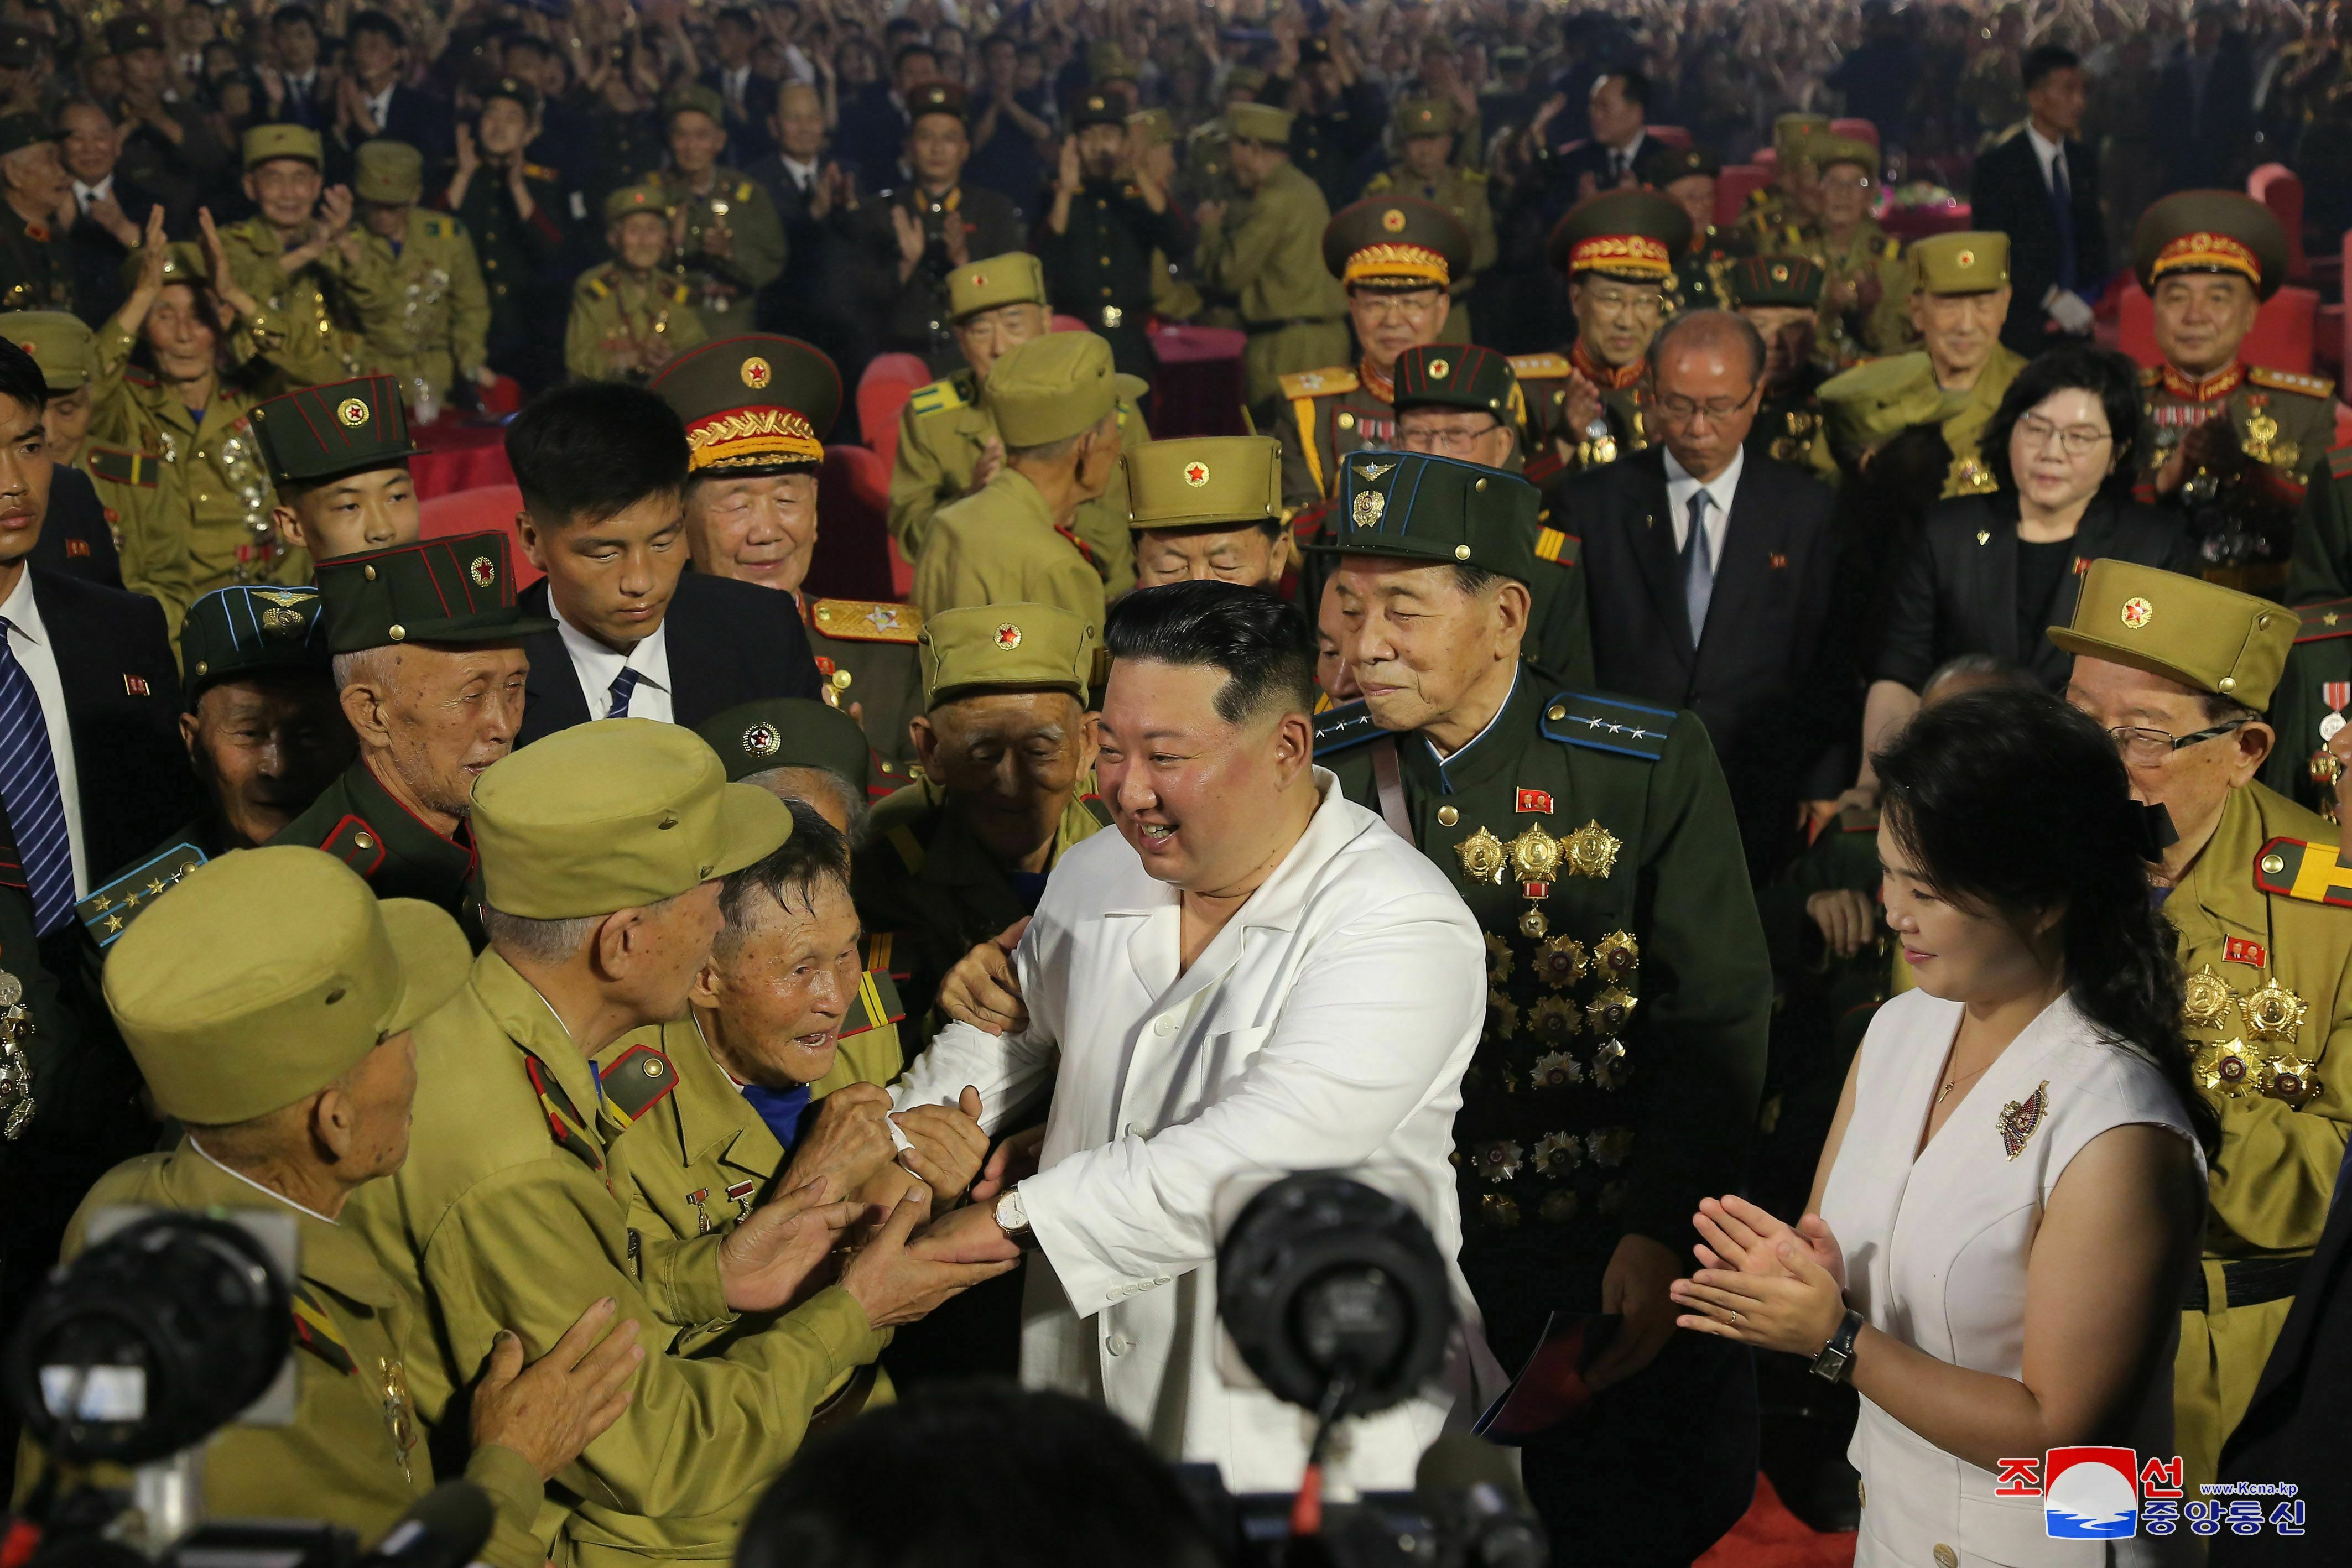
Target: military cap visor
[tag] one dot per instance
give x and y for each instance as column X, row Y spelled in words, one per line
column 2214, row 232
column 1399, row 242
column 2207, row 637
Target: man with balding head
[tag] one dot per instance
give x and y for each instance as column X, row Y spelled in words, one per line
column 1710, row 576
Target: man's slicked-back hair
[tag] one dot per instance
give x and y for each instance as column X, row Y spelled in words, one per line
column 593, row 450
column 1261, row 642
column 21, row 381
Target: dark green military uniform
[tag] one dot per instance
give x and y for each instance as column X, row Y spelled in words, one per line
column 35, row 273
column 730, row 203
column 515, row 252
column 1701, row 281
column 1629, row 993
column 1460, row 191
column 455, row 590
column 1788, row 427
column 2310, row 693
column 1631, row 238
column 1101, row 268
column 1775, row 207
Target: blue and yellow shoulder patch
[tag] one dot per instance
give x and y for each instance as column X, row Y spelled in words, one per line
column 1538, row 367
column 1608, row 724
column 942, row 395
column 1318, row 384
column 356, row 843
column 2288, row 381
column 118, row 465
column 1560, row 548
column 636, row 1081
column 438, row 226
column 1339, row 729
column 2293, row 868
column 876, row 1004
column 2321, row 622
column 315, row 1331
column 109, row 910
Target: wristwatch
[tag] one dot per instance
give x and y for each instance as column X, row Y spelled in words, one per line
column 1013, row 1218
column 1836, row 1360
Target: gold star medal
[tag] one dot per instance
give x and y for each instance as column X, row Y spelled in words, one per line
column 2274, row 1014
column 1617, row 955
column 1592, row 851
column 1482, row 857
column 2225, row 1068
column 2288, row 1077
column 1534, row 861
column 2205, row 999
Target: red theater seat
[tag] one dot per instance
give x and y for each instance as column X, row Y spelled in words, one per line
column 2280, row 189
column 882, row 394
column 1670, row 135
column 853, row 559
column 487, row 508
column 1733, row 187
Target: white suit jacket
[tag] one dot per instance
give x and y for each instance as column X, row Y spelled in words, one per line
column 1327, row 1026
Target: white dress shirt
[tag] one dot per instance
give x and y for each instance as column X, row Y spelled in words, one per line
column 803, row 175
column 85, row 194
column 733, row 85
column 30, row 643
column 2044, row 152
column 597, row 667
column 379, row 108
column 1680, row 486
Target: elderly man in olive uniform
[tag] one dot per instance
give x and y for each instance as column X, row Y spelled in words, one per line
column 1686, row 176
column 756, row 411
column 288, row 1106
column 1055, row 399
column 631, row 314
column 1261, row 250
column 1425, row 132
column 2244, row 434
column 1794, row 196
column 1394, row 255
column 1862, row 306
column 604, row 848
column 429, row 665
column 1209, row 507
column 1959, row 297
column 948, row 444
column 2182, row 670
column 729, row 239
column 1108, row 218
column 1619, row 250
column 1780, row 296
column 36, row 274
column 964, row 852
column 1629, row 986
column 299, row 255
column 443, row 308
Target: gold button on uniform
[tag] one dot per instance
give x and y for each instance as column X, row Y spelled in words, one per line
column 2273, row 864
column 841, row 679
column 1347, row 421
column 362, row 841
column 1557, row 711
column 1946, row 1557
column 1447, row 816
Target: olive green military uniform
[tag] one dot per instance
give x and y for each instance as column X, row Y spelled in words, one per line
column 1324, row 415
column 1460, row 191
column 1963, row 430
column 1701, row 279
column 35, row 273
column 865, row 652
column 724, row 286
column 343, row 309
column 1772, row 209
column 947, row 425
column 625, row 324
column 1627, row 236
column 441, row 312
column 2310, row 693
column 1173, row 297
column 2282, row 419
column 1263, row 252
column 1865, row 266
column 1975, row 262
column 504, row 1215
column 2264, row 917
column 1628, row 991
column 1544, row 381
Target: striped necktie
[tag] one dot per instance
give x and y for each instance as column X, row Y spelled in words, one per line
column 29, row 789
column 622, row 685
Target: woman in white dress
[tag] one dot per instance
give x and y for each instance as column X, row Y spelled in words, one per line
column 2009, row 1197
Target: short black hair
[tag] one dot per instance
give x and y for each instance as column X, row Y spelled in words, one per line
column 2041, row 61
column 21, row 380
column 792, row 873
column 739, row 15
column 2105, row 376
column 1634, row 85
column 593, row 450
column 290, row 15
column 531, row 41
column 898, row 60
column 1261, row 641
column 1042, row 1480
column 381, row 25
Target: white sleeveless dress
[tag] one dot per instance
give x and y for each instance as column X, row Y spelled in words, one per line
column 1936, row 1254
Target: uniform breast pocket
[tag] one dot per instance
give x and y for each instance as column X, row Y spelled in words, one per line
column 1177, row 1087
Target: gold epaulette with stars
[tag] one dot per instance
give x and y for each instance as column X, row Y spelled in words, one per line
column 2288, row 381
column 109, row 910
column 2314, row 874
column 1538, row 367
column 867, row 621
column 1318, row 384
column 636, row 1080
column 2321, row 622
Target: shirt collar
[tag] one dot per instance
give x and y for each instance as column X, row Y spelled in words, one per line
column 22, row 610
column 2044, row 148
column 1720, row 489
column 86, row 194
column 1471, row 745
column 267, row 1191
column 649, row 658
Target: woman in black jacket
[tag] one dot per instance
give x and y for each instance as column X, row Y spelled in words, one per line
column 1989, row 573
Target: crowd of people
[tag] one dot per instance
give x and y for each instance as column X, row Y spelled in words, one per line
column 1787, row 784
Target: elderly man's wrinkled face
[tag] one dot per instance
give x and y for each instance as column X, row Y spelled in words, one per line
column 65, row 420
column 286, row 189
column 1960, row 330
column 2201, row 317
column 760, row 530
column 1845, row 195
column 1470, row 434
column 1615, row 320
column 640, row 241
column 446, row 713
column 1009, row 762
column 1787, row 334
column 87, row 140
column 1390, row 320
column 265, row 746
column 178, row 330
column 2191, row 782
column 779, row 984
column 695, row 139
column 1250, row 555
column 36, row 177
column 987, row 335
column 1415, row 640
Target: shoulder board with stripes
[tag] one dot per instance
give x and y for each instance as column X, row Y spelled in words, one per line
column 356, row 843
column 564, row 1122
column 680, row 294
column 2287, row 380
column 2340, row 461
column 119, row 466
column 867, row 621
column 109, row 910
column 139, row 377
column 939, row 397
column 1608, row 724
column 1095, row 806
column 1342, row 727
column 1858, row 820
column 2294, row 868
column 1378, row 183
column 743, row 190
column 876, row 950
column 598, row 287
column 1538, row 367
column 877, row 1005
column 315, row 1331
column 2320, row 622
column 636, row 1081
column 1318, row 384
column 437, row 227
column 541, row 172
column 1561, row 549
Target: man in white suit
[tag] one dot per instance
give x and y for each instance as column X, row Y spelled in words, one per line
column 1252, row 975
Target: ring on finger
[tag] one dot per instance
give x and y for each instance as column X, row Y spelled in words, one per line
column 1736, row 1318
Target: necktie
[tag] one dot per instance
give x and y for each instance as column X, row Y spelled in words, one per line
column 2062, row 202
column 1699, row 567
column 622, row 685
column 28, row 788
column 1616, row 164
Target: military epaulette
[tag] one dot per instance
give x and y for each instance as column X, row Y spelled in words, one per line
column 876, row 1004
column 1377, row 184
column 1538, row 367
column 139, row 376
column 315, row 1331
column 564, row 1122
column 867, row 621
column 874, row 949
column 2340, row 461
column 598, row 287
column 436, row 226
column 1560, row 548
column 2287, row 380
column 636, row 1080
column 541, row 172
column 1342, row 727
column 1759, row 196
column 108, row 910
column 119, row 466
column 2151, row 375
column 1608, row 724
column 1543, row 468
column 1475, row 176
column 1318, row 384
column 2315, row 873
column 743, row 190
column 356, row 843
column 939, row 397
column 1889, row 248
column 680, row 294
column 1095, row 806
column 2321, row 622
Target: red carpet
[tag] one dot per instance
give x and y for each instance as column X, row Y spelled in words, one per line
column 1769, row 1536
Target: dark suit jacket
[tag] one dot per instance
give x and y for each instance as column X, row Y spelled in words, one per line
column 425, row 121
column 2011, row 196
column 749, row 138
column 1757, row 678
column 2294, row 1429
column 1957, row 594
column 75, row 539
column 2207, row 141
column 729, row 643
column 96, row 257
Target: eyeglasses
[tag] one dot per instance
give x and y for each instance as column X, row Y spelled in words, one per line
column 1454, row 443
column 2074, row 440
column 1680, row 410
column 2147, row 747
column 1381, row 307
column 1642, row 305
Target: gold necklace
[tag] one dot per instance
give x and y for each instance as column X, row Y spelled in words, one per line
column 1945, row 1092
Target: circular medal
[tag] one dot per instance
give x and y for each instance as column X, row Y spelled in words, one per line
column 2329, row 726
